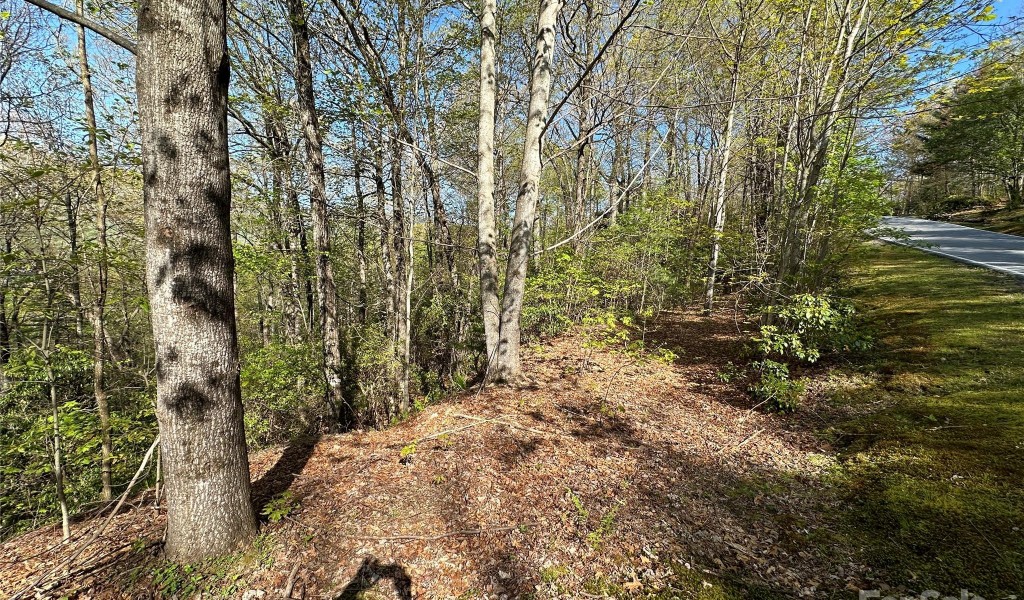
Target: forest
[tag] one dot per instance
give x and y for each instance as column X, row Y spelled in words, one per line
column 323, row 233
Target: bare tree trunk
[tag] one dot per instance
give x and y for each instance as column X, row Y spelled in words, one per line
column 58, row 460
column 723, row 176
column 182, row 83
column 719, row 209
column 486, row 228
column 809, row 174
column 361, row 309
column 327, row 291
column 616, row 181
column 288, row 219
column 402, row 240
column 99, row 336
column 75, row 261
column 508, row 366
column 388, row 266
column 46, row 345
column 386, row 244
column 1013, row 191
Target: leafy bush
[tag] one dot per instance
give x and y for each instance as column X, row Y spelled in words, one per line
column 283, row 392
column 774, row 388
column 799, row 331
column 958, row 203
column 808, row 325
column 633, row 268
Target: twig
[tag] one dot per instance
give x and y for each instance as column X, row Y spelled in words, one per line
column 454, row 430
column 502, row 419
column 985, row 537
column 612, row 378
column 744, row 442
column 290, row 585
column 410, row 537
column 439, row 536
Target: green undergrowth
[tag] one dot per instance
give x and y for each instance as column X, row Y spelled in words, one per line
column 222, row 577
column 934, row 462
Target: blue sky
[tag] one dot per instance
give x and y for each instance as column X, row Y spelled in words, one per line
column 1009, row 8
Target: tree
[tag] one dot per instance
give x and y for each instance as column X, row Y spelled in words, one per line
column 99, row 323
column 182, row 81
column 327, row 291
column 980, row 128
column 508, row 366
column 490, row 306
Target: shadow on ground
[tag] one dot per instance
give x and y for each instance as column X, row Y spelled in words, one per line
column 372, row 572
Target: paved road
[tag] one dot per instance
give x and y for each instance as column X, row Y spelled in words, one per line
column 997, row 251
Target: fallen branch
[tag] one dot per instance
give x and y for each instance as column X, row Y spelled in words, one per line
column 502, row 419
column 410, row 537
column 290, row 584
column 96, row 534
column 454, row 430
column 439, row 536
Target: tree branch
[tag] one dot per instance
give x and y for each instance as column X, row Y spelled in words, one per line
column 593, row 63
column 96, row 28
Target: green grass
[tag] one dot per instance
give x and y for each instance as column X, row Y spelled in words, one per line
column 934, row 466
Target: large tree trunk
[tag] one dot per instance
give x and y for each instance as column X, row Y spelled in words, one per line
column 486, row 228
column 99, row 336
column 182, row 82
column 326, row 288
column 508, row 366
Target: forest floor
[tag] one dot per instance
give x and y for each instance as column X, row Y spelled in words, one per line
column 1000, row 219
column 627, row 475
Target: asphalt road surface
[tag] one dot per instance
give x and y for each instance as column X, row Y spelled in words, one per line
column 997, row 251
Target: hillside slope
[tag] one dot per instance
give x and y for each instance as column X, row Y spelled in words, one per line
column 611, row 475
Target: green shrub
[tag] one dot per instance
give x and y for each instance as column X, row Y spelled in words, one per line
column 808, row 325
column 631, row 269
column 774, row 388
column 28, row 494
column 799, row 331
column 283, row 392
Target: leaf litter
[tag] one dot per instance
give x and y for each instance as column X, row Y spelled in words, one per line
column 608, row 475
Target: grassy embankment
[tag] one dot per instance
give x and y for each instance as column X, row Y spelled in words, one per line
column 934, row 463
column 1003, row 220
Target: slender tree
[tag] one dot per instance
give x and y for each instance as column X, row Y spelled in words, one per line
column 327, row 291
column 99, row 307
column 486, row 229
column 508, row 366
